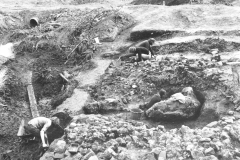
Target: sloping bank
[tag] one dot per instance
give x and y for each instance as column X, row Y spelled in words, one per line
column 165, row 21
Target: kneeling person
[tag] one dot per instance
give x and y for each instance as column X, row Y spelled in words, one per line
column 39, row 126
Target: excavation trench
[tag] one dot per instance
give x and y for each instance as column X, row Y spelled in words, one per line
column 48, row 86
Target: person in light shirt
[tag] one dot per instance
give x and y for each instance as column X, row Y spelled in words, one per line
column 38, row 127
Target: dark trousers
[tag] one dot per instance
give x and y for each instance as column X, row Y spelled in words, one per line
column 30, row 129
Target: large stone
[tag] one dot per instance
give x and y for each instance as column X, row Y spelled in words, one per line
column 178, row 107
column 209, row 151
column 58, row 146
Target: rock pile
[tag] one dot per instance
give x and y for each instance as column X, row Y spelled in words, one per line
column 100, row 137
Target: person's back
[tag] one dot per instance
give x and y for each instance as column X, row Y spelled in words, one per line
column 40, row 122
column 147, row 44
column 38, row 127
column 144, row 44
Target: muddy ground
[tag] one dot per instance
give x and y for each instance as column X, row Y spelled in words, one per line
column 96, row 76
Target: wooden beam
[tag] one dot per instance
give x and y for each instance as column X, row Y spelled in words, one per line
column 31, row 96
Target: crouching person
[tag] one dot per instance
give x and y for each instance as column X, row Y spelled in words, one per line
column 138, row 52
column 148, row 45
column 143, row 50
column 39, row 126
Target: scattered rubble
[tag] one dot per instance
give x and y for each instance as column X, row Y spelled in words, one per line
column 114, row 138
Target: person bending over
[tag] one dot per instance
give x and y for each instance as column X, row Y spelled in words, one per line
column 136, row 51
column 148, row 45
column 38, row 127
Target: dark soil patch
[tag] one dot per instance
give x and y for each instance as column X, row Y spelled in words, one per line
column 142, row 35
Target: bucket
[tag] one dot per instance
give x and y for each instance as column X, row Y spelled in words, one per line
column 136, row 113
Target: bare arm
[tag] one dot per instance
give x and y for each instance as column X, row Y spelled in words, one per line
column 150, row 49
column 43, row 134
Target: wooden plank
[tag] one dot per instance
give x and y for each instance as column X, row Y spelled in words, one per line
column 31, row 96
